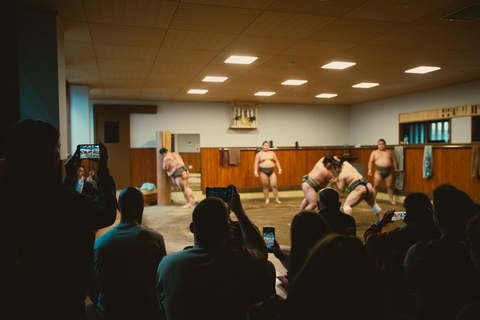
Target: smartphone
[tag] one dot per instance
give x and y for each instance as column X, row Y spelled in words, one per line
column 89, row 151
column 398, row 215
column 269, row 237
column 224, row 193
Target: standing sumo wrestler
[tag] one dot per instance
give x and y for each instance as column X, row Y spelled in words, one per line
column 175, row 167
column 384, row 163
column 265, row 162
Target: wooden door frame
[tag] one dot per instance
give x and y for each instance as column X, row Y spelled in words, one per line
column 122, row 109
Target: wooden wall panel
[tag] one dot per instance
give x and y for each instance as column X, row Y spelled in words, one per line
column 144, row 164
column 450, row 165
column 144, row 161
column 294, row 162
column 192, row 159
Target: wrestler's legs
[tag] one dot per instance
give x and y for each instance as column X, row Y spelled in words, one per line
column 186, row 175
column 353, row 198
column 371, row 201
column 273, row 183
column 186, row 190
column 310, row 200
column 389, row 182
column 377, row 181
column 265, row 182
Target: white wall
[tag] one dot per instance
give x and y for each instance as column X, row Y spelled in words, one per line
column 80, row 116
column 310, row 125
column 379, row 119
column 461, row 130
column 284, row 124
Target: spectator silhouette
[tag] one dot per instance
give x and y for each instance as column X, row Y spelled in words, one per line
column 46, row 239
column 307, row 228
column 441, row 269
column 90, row 188
column 339, row 280
column 329, row 206
column 263, row 290
column 472, row 311
column 126, row 261
column 390, row 248
column 211, row 280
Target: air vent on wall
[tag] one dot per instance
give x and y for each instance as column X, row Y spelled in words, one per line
column 467, row 14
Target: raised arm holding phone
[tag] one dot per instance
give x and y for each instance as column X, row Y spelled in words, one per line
column 47, row 243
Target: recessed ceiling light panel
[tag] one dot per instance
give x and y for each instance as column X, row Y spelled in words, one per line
column 422, row 69
column 197, row 91
column 326, row 95
column 265, row 93
column 338, row 65
column 214, row 79
column 294, row 82
column 366, row 85
column 241, row 59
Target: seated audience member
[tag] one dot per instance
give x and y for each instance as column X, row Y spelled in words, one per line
column 264, row 288
column 339, row 280
column 46, row 240
column 472, row 310
column 211, row 280
column 126, row 261
column 389, row 249
column 441, row 269
column 90, row 188
column 80, row 179
column 329, row 206
column 307, row 228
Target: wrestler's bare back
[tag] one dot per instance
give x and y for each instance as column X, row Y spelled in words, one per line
column 266, row 159
column 382, row 158
column 171, row 162
column 320, row 174
column 347, row 176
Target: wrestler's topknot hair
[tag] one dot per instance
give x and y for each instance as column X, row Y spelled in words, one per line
column 328, row 159
column 163, row 150
column 337, row 163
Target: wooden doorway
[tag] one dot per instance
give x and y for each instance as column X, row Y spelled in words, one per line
column 113, row 129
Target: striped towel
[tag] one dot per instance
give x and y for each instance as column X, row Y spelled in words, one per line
column 427, row 162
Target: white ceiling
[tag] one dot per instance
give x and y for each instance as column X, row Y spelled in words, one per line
column 126, row 49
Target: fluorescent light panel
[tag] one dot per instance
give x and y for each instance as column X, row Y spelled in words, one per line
column 197, row 91
column 422, row 69
column 214, row 79
column 294, row 82
column 338, row 65
column 365, row 85
column 326, row 95
column 241, row 59
column 265, row 93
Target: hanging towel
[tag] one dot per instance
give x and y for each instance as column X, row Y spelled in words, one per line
column 222, row 157
column 475, row 170
column 427, row 162
column 234, row 156
column 399, row 176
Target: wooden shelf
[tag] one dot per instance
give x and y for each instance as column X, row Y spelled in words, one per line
column 243, row 128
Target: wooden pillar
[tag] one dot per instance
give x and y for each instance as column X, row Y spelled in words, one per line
column 164, row 196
